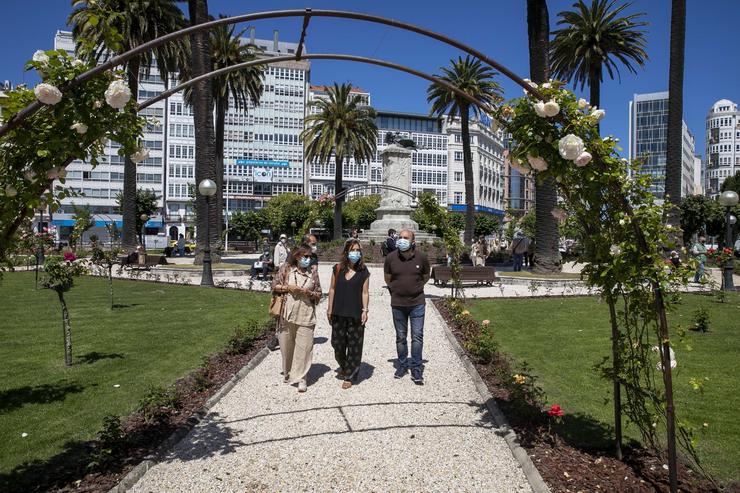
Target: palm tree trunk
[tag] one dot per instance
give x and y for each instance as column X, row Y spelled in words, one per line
column 468, row 171
column 547, row 254
column 222, row 105
column 66, row 330
column 205, row 152
column 594, row 85
column 129, row 233
column 339, row 201
column 674, row 161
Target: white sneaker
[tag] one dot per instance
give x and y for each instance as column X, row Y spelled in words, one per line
column 302, row 386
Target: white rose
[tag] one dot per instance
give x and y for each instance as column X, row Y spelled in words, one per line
column 519, row 166
column 47, row 94
column 80, row 128
column 97, row 104
column 77, row 62
column 582, row 104
column 539, row 108
column 537, row 163
column 622, row 222
column 546, row 85
column 140, row 155
column 10, row 191
column 40, row 56
column 559, row 214
column 598, row 114
column 615, row 250
column 117, row 94
column 30, row 175
column 583, row 159
column 552, row 108
column 570, row 147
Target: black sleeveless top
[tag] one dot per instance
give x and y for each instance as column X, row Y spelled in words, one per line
column 348, row 294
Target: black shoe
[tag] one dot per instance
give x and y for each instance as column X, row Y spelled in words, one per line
column 273, row 343
column 400, row 372
column 416, row 376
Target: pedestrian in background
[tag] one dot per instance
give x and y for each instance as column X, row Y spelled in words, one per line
column 280, row 257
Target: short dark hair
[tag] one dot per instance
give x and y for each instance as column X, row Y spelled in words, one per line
column 306, row 239
column 391, row 231
column 301, row 251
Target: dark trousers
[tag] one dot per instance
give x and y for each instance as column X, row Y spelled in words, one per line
column 347, row 336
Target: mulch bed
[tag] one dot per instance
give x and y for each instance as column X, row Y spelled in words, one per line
column 67, row 472
column 567, row 468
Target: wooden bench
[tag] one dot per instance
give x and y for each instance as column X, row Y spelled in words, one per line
column 149, row 262
column 442, row 274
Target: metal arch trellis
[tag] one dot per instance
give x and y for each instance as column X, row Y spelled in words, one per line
column 307, row 14
column 354, row 188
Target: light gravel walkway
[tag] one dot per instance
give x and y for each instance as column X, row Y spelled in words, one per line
column 381, row 435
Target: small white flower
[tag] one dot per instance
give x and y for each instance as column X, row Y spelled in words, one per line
column 24, row 434
column 570, row 147
column 47, row 93
column 140, row 155
column 582, row 104
column 40, row 56
column 583, row 159
column 80, row 128
column 546, row 85
column 622, row 222
column 97, row 104
column 117, row 94
column 10, row 191
column 538, row 163
column 77, row 62
column 539, row 108
column 552, row 108
column 615, row 250
column 116, row 385
column 598, row 114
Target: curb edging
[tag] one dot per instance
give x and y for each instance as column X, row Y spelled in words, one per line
column 533, row 476
column 152, row 459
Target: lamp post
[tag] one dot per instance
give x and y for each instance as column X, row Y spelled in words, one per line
column 292, row 228
column 728, row 200
column 207, row 189
column 144, row 218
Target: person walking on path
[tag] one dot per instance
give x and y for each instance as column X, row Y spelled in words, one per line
column 347, row 311
column 312, row 243
column 181, row 245
column 299, row 282
column 699, row 251
column 519, row 249
column 280, row 257
column 479, row 252
column 389, row 244
column 406, row 272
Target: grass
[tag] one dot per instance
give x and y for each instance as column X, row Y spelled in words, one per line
column 562, row 339
column 221, row 266
column 156, row 335
column 532, row 275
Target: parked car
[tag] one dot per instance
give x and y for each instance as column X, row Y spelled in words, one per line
column 189, row 246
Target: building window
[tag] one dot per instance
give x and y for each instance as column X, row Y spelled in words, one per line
column 458, row 156
column 458, row 176
column 458, row 198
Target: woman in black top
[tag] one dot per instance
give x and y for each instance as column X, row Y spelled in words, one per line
column 347, row 310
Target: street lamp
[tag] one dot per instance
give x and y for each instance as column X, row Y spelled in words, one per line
column 292, row 228
column 207, row 189
column 144, row 218
column 728, row 200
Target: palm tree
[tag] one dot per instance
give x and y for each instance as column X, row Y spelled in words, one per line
column 593, row 39
column 675, row 109
column 547, row 254
column 242, row 85
column 115, row 26
column 344, row 127
column 475, row 79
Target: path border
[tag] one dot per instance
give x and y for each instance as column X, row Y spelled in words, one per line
column 138, row 472
column 533, row 476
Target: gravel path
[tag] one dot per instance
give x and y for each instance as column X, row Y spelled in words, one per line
column 381, row 435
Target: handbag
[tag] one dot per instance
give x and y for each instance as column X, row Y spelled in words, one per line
column 276, row 305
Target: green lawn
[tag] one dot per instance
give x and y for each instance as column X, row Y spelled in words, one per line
column 156, row 335
column 562, row 339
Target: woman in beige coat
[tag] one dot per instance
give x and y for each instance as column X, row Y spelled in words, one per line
column 299, row 282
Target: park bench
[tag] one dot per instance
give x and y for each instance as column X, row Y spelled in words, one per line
column 442, row 274
column 149, row 262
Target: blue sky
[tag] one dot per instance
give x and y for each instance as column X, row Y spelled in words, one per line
column 496, row 27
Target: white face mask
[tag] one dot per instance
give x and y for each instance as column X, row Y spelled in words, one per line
column 314, row 248
column 283, row 240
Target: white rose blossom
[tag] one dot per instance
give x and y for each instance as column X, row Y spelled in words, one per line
column 570, row 147
column 546, row 85
column 537, row 163
column 97, row 104
column 80, row 128
column 539, row 108
column 552, row 108
column 77, row 62
column 47, row 93
column 615, row 250
column 10, row 191
column 519, row 166
column 582, row 104
column 30, row 175
column 598, row 114
column 40, row 56
column 140, row 155
column 583, row 159
column 117, row 94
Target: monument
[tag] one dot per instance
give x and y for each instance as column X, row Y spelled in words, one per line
column 395, row 206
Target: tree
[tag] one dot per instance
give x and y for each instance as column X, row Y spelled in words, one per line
column 83, row 222
column 145, row 202
column 248, row 225
column 241, row 86
column 731, row 183
column 360, row 211
column 59, row 274
column 547, row 254
column 106, row 260
column 285, row 209
column 593, row 39
column 115, row 26
column 475, row 79
column 486, row 224
column 344, row 128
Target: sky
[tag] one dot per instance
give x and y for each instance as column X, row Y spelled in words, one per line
column 496, row 27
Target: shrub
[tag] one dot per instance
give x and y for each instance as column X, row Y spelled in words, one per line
column 157, row 404
column 701, row 320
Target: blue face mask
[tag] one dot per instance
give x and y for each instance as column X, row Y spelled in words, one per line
column 354, row 257
column 305, row 262
column 403, row 244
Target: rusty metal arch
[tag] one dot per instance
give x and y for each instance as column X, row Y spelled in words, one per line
column 365, row 186
column 307, row 14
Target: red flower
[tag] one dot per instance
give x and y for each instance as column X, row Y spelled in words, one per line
column 555, row 410
column 70, row 257
column 727, row 250
column 711, row 251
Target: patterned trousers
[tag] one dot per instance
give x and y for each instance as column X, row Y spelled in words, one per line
column 347, row 335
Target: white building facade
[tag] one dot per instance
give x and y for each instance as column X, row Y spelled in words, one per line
column 723, row 145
